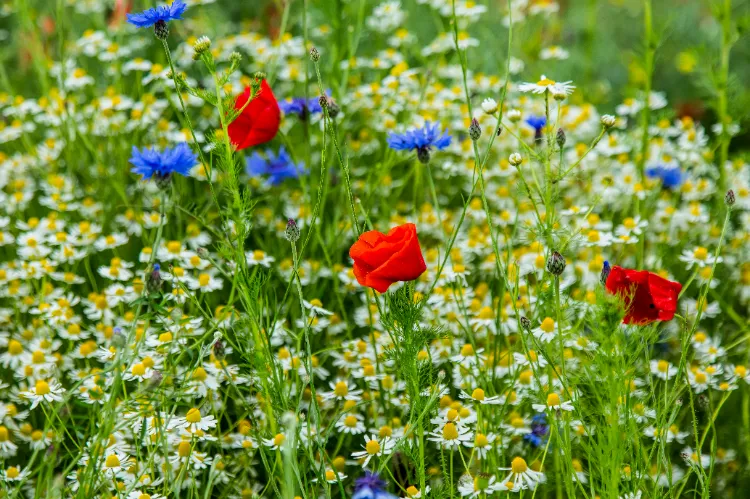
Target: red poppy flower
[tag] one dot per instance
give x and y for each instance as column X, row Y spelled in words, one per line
column 382, row 259
column 648, row 296
column 258, row 122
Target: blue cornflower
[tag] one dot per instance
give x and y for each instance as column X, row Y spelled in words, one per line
column 162, row 164
column 671, row 177
column 278, row 167
column 158, row 16
column 421, row 139
column 537, row 123
column 301, row 107
column 371, row 486
column 539, row 430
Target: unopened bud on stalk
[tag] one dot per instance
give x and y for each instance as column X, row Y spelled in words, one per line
column 555, row 263
column 156, row 379
column 514, row 115
column 201, row 45
column 608, row 121
column 314, row 54
column 526, row 323
column 489, row 106
column 292, row 231
column 118, row 338
column 515, row 159
column 560, row 137
column 475, row 131
column 730, row 198
column 558, row 95
column 235, row 58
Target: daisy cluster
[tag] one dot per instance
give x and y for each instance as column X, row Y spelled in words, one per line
column 147, row 349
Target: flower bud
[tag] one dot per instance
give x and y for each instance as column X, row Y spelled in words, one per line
column 154, row 281
column 201, row 45
column 489, row 106
column 156, row 378
column 475, row 131
column 235, row 58
column 730, row 198
column 560, row 138
column 608, row 121
column 118, row 338
column 292, row 231
column 514, row 115
column 555, row 263
column 525, row 323
column 314, row 54
column 558, row 95
column 515, row 159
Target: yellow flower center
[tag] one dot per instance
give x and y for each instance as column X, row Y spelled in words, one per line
column 193, row 416
column 481, row 440
column 341, row 389
column 553, row 400
column 663, row 366
column 112, row 461
column 700, row 253
column 372, row 447
column 518, row 465
column 450, row 432
column 41, row 387
column 547, row 325
column 478, row 394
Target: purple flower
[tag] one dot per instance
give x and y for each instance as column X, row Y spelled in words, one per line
column 162, row 164
column 539, row 431
column 671, row 177
column 162, row 13
column 371, row 486
column 278, row 167
column 301, row 107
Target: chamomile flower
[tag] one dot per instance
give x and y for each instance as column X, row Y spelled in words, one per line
column 43, row 391
column 546, row 85
column 521, row 477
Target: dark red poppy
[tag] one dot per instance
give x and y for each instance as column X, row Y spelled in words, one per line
column 648, row 297
column 382, row 259
column 258, row 122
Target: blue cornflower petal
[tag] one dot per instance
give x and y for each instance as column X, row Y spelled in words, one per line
column 301, row 107
column 371, row 486
column 278, row 167
column 165, row 13
column 536, row 122
column 161, row 164
column 670, row 177
column 420, row 138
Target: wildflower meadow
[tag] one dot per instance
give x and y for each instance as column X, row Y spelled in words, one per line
column 374, row 249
